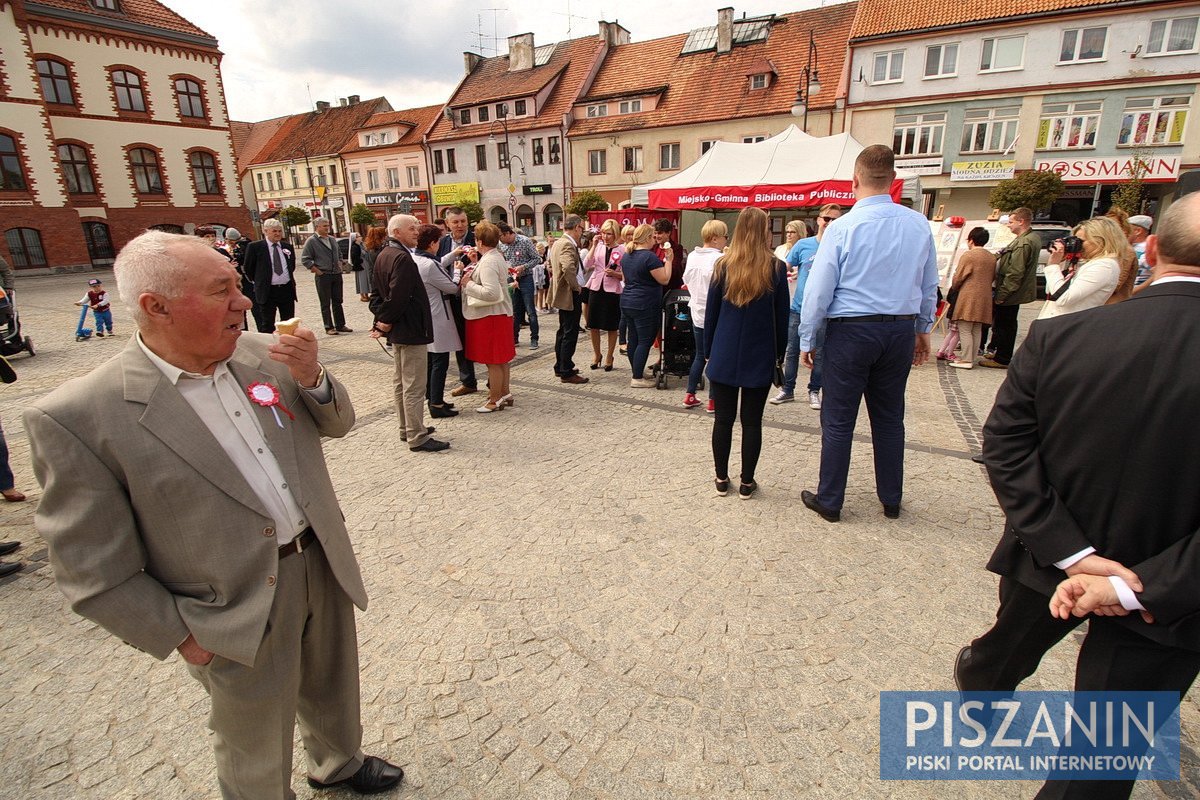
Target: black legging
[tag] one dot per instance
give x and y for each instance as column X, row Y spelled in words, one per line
column 725, row 398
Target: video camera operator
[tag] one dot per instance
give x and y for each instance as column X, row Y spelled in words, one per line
column 1085, row 267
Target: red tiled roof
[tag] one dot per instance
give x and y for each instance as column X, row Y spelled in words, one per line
column 707, row 87
column 321, row 133
column 881, row 17
column 142, row 12
column 416, row 122
column 491, row 81
column 250, row 137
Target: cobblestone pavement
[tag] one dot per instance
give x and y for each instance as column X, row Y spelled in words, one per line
column 560, row 606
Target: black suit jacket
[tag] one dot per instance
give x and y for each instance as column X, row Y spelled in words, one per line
column 398, row 293
column 446, row 244
column 1094, row 441
column 257, row 267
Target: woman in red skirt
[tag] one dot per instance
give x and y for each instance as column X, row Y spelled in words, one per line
column 488, row 311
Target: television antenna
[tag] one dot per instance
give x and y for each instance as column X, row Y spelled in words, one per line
column 479, row 34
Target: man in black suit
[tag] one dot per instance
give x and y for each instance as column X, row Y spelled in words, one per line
column 1092, row 455
column 450, row 250
column 271, row 264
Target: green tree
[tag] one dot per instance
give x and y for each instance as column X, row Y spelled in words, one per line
column 1128, row 195
column 585, row 201
column 294, row 217
column 361, row 215
column 473, row 209
column 1034, row 189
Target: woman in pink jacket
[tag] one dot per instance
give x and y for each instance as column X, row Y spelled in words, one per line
column 602, row 265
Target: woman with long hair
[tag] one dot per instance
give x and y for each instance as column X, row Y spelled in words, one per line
column 745, row 336
column 1091, row 281
column 375, row 240
column 488, row 310
column 603, row 267
column 641, row 301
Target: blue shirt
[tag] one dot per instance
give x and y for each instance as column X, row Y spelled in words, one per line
column 876, row 259
column 801, row 257
column 641, row 290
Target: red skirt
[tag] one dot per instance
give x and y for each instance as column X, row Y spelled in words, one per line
column 490, row 340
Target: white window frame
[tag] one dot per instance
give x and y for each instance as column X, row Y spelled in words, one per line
column 597, row 110
column 637, row 163
column 754, row 138
column 666, row 151
column 1059, row 119
column 1008, row 122
column 1079, row 34
column 597, row 162
column 413, row 174
column 355, row 181
column 629, row 107
column 709, row 143
column 911, row 127
column 890, row 60
column 393, row 177
column 1155, row 108
column 372, row 180
column 383, row 137
column 759, row 81
column 941, row 73
column 1169, row 23
column 994, row 39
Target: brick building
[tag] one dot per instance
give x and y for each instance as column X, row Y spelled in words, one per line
column 112, row 121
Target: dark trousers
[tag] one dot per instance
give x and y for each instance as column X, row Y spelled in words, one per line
column 329, row 290
column 725, row 411
column 523, row 307
column 1004, row 332
column 279, row 298
column 6, row 475
column 1112, row 658
column 435, row 378
column 871, row 359
column 567, row 339
column 697, row 370
column 255, row 311
column 642, row 328
column 623, row 330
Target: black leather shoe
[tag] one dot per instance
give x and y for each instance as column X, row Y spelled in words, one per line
column 8, row 568
column 809, row 499
column 441, row 412
column 891, row 512
column 8, row 547
column 373, row 777
column 977, row 458
column 960, row 663
column 430, row 446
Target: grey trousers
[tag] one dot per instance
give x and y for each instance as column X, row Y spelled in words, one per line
column 306, row 670
column 409, row 382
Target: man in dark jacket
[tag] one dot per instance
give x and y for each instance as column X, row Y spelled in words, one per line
column 1016, row 285
column 403, row 317
column 270, row 264
column 451, row 252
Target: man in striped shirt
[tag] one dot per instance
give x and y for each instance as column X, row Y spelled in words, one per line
column 521, row 255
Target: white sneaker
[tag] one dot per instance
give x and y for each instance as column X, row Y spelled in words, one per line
column 814, row 400
column 783, row 397
column 641, row 383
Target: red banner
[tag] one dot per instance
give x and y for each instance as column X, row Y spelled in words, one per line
column 797, row 195
column 631, row 216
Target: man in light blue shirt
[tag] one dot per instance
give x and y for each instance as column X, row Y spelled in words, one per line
column 872, row 288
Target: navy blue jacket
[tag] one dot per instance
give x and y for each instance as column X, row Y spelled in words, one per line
column 743, row 344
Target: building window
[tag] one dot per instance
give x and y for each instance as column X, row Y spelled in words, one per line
column 332, row 174
column 555, row 150
column 12, row 175
column 989, row 130
column 758, row 81
column 372, row 179
column 191, row 99
column 1169, row 36
column 204, row 173
column 539, row 152
column 755, row 139
column 1069, row 126
column 279, row 178
column 597, row 162
column 1002, row 53
column 146, row 173
column 77, row 169
column 941, row 60
column 450, row 160
column 1153, row 121
column 393, row 175
column 321, row 175
column 630, row 106
column 384, row 137
column 106, row 5
column 414, row 176
column 483, row 114
column 918, row 134
column 501, row 110
column 271, row 183
column 438, row 165
column 464, row 116
column 295, row 182
column 25, row 245
column 502, row 154
column 56, row 82
column 1082, row 44
column 128, row 86
column 633, row 159
column 99, row 241
column 519, row 108
column 308, row 171
column 355, row 181
column 707, row 145
column 369, row 140
column 600, row 110
column 261, row 186
column 668, row 156
column 481, row 157
column 889, row 67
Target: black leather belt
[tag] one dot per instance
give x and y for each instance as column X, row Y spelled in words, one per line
column 305, row 538
column 876, row 318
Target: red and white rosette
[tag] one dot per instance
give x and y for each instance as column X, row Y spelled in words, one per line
column 267, row 396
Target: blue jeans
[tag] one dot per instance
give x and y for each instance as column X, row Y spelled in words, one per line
column 697, row 361
column 791, row 357
column 643, row 327
column 6, row 476
column 871, row 359
column 523, row 306
column 103, row 320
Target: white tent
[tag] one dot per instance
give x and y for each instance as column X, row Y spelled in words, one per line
column 790, row 170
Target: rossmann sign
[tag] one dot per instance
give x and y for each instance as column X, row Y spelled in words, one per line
column 1152, row 169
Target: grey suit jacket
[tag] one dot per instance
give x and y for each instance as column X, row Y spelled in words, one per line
column 153, row 532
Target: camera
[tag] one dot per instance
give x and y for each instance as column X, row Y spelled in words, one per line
column 1072, row 247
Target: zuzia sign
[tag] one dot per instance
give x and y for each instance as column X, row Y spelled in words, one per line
column 1153, row 169
column 797, row 195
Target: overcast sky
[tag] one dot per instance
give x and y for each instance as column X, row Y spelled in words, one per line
column 410, row 53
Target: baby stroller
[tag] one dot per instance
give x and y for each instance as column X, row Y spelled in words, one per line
column 677, row 343
column 11, row 341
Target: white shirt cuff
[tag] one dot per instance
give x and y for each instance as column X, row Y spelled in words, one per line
column 1072, row 560
column 1128, row 599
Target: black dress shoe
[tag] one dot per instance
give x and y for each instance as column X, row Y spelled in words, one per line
column 960, row 663
column 809, row 499
column 8, row 547
column 891, row 512
column 430, row 446
column 977, row 458
column 373, row 777
column 8, row 568
column 441, row 412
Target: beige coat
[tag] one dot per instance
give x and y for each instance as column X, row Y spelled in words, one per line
column 973, row 279
column 489, row 284
column 153, row 532
column 564, row 273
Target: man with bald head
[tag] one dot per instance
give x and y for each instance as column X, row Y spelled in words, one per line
column 1092, row 455
column 402, row 316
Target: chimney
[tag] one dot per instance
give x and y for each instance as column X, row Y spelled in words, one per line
column 470, row 60
column 353, row 99
column 613, row 33
column 520, row 52
column 322, row 105
column 342, row 102
column 724, row 30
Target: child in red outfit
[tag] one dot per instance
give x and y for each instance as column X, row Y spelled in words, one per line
column 97, row 300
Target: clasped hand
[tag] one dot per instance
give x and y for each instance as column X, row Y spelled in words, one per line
column 1087, row 590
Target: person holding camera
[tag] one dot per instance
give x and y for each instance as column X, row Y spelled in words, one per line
column 1084, row 268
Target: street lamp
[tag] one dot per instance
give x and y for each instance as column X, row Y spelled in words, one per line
column 810, row 84
column 503, row 120
column 512, row 200
column 312, row 192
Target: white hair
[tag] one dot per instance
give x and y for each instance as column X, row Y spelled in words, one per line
column 272, row 223
column 153, row 262
column 400, row 220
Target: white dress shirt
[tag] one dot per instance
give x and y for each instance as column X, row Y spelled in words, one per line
column 285, row 276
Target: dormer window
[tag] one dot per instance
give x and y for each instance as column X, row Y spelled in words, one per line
column 464, row 116
column 383, row 138
column 759, row 81
column 519, row 108
column 599, row 110
column 483, row 114
column 106, row 5
column 369, row 140
column 630, row 106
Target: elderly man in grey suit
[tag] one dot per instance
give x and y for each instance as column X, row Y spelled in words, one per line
column 320, row 256
column 187, row 506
